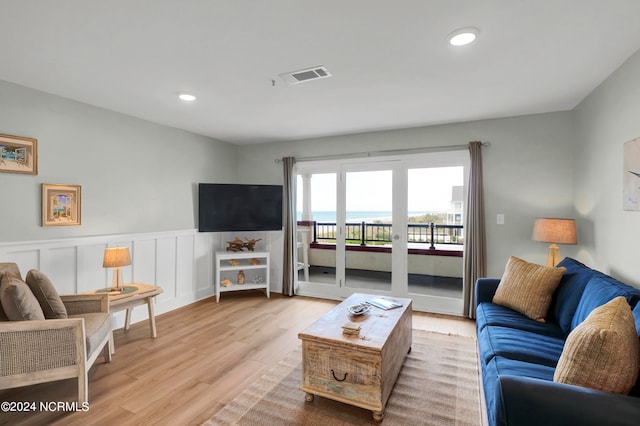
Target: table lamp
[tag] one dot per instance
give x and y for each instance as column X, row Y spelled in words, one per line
column 554, row 231
column 116, row 257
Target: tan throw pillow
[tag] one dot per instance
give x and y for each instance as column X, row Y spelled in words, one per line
column 47, row 296
column 528, row 288
column 603, row 352
column 10, row 268
column 18, row 303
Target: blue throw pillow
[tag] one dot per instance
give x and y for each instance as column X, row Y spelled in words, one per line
column 600, row 290
column 569, row 291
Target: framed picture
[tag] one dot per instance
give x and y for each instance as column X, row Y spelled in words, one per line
column 18, row 155
column 631, row 175
column 60, row 205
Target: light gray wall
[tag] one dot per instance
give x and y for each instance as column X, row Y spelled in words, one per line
column 527, row 171
column 136, row 176
column 605, row 120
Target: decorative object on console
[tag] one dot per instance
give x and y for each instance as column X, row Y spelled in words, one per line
column 116, row 257
column 18, row 155
column 234, row 262
column 241, row 277
column 631, row 175
column 254, row 261
column 554, row 231
column 226, row 282
column 60, row 205
column 238, row 245
column 251, row 244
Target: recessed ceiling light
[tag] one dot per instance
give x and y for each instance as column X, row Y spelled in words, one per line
column 463, row 36
column 187, row 97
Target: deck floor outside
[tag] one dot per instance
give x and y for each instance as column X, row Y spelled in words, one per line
column 429, row 285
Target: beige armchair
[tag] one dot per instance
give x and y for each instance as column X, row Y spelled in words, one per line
column 45, row 350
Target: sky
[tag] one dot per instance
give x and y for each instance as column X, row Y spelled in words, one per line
column 429, row 190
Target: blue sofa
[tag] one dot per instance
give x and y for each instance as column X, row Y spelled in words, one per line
column 518, row 355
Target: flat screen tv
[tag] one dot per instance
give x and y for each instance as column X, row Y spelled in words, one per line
column 234, row 207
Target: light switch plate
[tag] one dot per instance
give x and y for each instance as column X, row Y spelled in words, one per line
column 500, row 219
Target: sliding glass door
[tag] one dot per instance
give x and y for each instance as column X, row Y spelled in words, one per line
column 435, row 203
column 391, row 227
column 317, row 231
column 366, row 251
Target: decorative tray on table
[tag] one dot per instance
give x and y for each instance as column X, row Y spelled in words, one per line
column 360, row 309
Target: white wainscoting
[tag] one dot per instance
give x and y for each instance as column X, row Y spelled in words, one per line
column 181, row 262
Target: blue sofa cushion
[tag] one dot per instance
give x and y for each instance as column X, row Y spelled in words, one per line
column 599, row 290
column 497, row 341
column 633, row 296
column 499, row 366
column 485, row 289
column 492, row 314
column 569, row 291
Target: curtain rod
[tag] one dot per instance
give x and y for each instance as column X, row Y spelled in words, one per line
column 385, row 153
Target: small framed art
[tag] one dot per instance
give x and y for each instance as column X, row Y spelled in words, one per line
column 18, row 155
column 61, row 205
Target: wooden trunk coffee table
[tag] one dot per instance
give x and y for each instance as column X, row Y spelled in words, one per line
column 358, row 369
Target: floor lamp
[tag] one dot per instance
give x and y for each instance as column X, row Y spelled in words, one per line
column 555, row 231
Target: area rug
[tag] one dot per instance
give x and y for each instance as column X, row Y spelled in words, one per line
column 438, row 385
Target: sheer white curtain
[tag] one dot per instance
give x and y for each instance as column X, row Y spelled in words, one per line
column 475, row 242
column 289, row 269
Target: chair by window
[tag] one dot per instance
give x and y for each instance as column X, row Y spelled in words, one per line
column 303, row 253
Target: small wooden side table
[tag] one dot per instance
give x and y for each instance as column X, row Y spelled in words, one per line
column 143, row 294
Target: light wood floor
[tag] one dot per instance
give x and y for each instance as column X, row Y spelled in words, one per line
column 204, row 356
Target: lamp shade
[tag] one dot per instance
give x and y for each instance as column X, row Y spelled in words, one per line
column 116, row 257
column 553, row 230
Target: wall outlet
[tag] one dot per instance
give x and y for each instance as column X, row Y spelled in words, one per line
column 500, row 219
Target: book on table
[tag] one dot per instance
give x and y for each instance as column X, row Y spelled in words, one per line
column 384, row 303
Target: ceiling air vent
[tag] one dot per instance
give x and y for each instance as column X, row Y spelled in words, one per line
column 305, row 75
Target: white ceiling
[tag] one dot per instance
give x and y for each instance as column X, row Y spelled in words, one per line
column 391, row 64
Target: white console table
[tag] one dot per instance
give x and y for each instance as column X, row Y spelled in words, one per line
column 254, row 265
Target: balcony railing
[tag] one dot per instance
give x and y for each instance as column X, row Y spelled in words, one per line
column 364, row 233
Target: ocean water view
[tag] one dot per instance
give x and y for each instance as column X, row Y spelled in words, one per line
column 356, row 216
